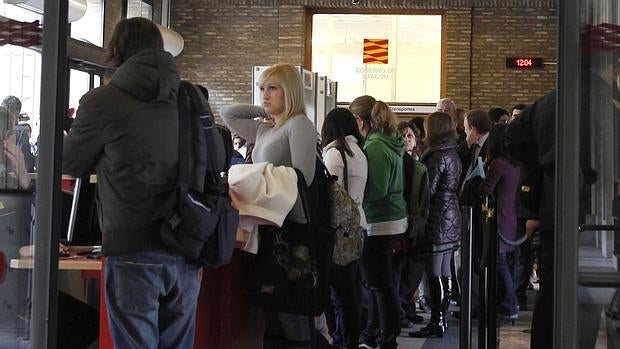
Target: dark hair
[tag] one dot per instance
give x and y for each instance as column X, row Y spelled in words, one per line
column 479, row 119
column 338, row 124
column 402, row 126
column 439, row 128
column 418, row 122
column 131, row 36
column 519, row 107
column 496, row 113
column 496, row 147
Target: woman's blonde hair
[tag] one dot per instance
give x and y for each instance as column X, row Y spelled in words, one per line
column 362, row 108
column 383, row 119
column 289, row 79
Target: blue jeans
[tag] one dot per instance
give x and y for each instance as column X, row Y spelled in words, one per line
column 506, row 297
column 151, row 300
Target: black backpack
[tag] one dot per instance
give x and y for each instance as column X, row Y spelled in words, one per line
column 198, row 221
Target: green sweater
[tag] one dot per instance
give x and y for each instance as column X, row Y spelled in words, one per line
column 383, row 197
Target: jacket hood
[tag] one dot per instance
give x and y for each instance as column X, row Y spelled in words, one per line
column 149, row 75
column 448, row 144
column 396, row 144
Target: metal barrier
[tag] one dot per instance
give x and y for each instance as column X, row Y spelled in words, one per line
column 466, row 282
column 599, row 279
column 487, row 333
column 483, row 238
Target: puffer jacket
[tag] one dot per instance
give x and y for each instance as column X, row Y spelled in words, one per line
column 128, row 131
column 444, row 172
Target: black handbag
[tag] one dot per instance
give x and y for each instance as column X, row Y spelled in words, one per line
column 291, row 270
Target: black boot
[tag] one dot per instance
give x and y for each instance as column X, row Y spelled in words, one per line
column 445, row 302
column 437, row 326
column 452, row 290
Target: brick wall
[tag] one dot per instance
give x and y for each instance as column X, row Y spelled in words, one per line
column 499, row 33
column 223, row 39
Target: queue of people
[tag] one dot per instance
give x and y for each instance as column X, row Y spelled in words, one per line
column 407, row 189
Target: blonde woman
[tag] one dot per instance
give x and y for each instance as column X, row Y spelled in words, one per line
column 287, row 138
column 386, row 215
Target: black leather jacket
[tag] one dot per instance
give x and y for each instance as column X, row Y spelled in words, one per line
column 444, row 171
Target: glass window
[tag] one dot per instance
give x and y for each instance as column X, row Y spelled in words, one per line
column 20, row 81
column 20, row 72
column 89, row 28
column 396, row 59
column 598, row 161
column 140, row 8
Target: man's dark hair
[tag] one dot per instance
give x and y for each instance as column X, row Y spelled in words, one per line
column 495, row 114
column 519, row 107
column 131, row 36
column 479, row 119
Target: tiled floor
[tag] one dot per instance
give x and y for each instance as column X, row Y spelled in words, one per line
column 510, row 337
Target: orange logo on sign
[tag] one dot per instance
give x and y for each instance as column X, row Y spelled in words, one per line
column 375, row 51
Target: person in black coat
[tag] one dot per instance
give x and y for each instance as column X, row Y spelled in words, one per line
column 128, row 131
column 443, row 228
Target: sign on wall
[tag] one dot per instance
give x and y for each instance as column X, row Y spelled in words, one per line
column 375, row 51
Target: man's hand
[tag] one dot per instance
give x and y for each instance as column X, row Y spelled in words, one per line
column 531, row 225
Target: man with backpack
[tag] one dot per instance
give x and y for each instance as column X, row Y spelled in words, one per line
column 127, row 131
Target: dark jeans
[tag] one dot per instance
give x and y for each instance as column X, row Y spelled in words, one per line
column 523, row 261
column 382, row 323
column 408, row 268
column 151, row 300
column 542, row 319
column 506, row 298
column 346, row 304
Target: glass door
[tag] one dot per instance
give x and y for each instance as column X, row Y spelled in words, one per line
column 587, row 243
column 30, row 85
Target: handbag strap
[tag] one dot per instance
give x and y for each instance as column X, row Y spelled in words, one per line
column 345, row 180
column 303, row 196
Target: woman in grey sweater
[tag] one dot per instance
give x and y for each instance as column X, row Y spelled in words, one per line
column 284, row 136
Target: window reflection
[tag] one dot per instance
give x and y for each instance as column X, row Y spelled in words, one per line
column 90, row 27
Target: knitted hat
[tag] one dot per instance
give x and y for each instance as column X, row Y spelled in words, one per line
column 263, row 193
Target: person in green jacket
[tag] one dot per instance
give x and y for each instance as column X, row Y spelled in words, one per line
column 386, row 214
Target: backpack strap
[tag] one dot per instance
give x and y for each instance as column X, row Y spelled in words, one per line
column 184, row 110
column 345, row 180
column 202, row 109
